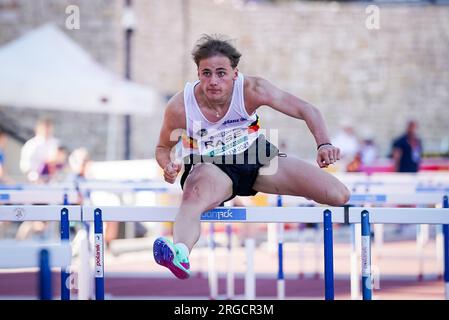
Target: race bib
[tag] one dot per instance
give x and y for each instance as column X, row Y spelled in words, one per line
column 226, row 142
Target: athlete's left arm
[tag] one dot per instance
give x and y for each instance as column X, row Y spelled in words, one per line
column 261, row 92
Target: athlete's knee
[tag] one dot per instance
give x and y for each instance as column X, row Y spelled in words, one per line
column 195, row 192
column 338, row 196
column 200, row 193
column 203, row 188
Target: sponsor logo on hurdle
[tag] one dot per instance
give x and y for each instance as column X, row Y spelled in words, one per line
column 370, row 273
column 19, row 213
column 224, row 215
column 98, row 255
column 72, row 281
column 366, row 253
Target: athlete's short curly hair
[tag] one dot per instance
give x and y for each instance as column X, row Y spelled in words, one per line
column 211, row 45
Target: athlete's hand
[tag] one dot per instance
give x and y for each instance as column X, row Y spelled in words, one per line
column 327, row 155
column 171, row 171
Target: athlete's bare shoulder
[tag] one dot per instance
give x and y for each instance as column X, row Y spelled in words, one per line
column 253, row 92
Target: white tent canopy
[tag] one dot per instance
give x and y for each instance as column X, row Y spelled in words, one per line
column 46, row 69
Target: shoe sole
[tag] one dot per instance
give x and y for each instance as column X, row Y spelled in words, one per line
column 164, row 256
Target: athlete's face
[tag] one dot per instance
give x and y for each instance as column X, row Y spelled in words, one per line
column 217, row 78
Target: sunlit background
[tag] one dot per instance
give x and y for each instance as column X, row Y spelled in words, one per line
column 102, row 72
column 374, row 68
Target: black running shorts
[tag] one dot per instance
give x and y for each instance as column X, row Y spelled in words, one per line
column 242, row 169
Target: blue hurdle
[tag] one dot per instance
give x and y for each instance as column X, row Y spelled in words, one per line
column 280, row 276
column 328, row 255
column 366, row 257
column 45, row 283
column 46, row 213
column 99, row 255
column 446, row 250
column 223, row 214
column 398, row 215
column 65, row 236
column 42, row 255
column 327, row 216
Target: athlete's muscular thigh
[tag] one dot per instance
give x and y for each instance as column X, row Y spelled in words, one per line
column 208, row 185
column 299, row 178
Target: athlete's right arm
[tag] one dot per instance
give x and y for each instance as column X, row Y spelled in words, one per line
column 172, row 126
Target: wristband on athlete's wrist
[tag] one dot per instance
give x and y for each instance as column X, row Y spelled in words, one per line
column 324, row 144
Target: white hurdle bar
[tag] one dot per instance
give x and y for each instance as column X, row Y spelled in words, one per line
column 359, row 199
column 221, row 214
column 38, row 213
column 12, row 192
column 61, row 213
column 38, row 196
column 379, row 199
column 401, row 215
column 27, row 254
column 43, row 255
column 368, row 216
column 245, row 214
column 420, row 198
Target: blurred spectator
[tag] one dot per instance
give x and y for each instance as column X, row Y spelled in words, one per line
column 2, row 151
column 356, row 164
column 407, row 150
column 55, row 169
column 4, row 225
column 369, row 152
column 78, row 162
column 38, row 161
column 59, row 164
column 347, row 141
column 368, row 149
column 444, row 146
column 366, row 155
column 38, row 152
column 3, row 140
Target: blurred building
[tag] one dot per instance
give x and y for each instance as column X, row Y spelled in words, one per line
column 321, row 51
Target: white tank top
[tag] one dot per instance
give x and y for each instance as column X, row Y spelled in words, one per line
column 232, row 134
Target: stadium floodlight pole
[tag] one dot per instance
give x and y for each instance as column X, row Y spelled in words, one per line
column 128, row 22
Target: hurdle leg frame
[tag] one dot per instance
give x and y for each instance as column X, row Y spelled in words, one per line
column 328, row 255
column 280, row 240
column 280, row 276
column 65, row 236
column 45, row 283
column 366, row 256
column 446, row 252
column 99, row 255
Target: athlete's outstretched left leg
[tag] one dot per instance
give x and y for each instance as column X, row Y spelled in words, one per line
column 299, row 178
